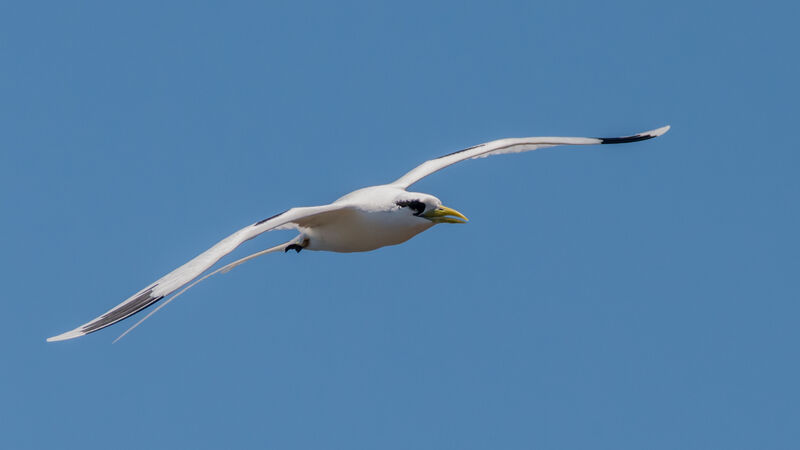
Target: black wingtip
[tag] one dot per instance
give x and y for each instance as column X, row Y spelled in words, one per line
column 624, row 139
column 636, row 137
column 139, row 303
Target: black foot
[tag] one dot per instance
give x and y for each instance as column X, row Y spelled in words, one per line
column 294, row 247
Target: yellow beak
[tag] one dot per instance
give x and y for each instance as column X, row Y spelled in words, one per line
column 443, row 214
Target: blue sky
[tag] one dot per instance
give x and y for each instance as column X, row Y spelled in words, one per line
column 623, row 297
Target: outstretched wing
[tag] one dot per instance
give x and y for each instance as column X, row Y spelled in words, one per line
column 169, row 283
column 512, row 145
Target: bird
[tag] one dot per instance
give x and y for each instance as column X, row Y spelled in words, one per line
column 363, row 220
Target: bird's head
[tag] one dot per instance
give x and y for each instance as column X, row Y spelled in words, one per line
column 428, row 207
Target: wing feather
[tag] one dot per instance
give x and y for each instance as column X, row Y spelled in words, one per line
column 169, row 283
column 512, row 145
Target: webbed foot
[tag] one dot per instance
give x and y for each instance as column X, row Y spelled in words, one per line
column 294, row 247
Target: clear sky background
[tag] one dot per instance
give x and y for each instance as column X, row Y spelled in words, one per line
column 619, row 297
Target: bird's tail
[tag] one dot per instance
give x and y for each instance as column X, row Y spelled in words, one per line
column 224, row 269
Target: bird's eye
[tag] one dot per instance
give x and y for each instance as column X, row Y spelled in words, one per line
column 417, row 206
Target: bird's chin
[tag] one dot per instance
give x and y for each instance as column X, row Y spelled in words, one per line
column 443, row 214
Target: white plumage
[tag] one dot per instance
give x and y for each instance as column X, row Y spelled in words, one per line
column 363, row 220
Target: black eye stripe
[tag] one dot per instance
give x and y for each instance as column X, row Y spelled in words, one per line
column 417, row 206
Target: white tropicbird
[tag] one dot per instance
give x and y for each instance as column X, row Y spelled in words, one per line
column 363, row 220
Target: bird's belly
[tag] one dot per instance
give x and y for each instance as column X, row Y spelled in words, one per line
column 363, row 232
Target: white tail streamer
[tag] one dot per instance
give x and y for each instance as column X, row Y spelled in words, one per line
column 224, row 269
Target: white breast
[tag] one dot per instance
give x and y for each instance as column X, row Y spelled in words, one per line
column 361, row 231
